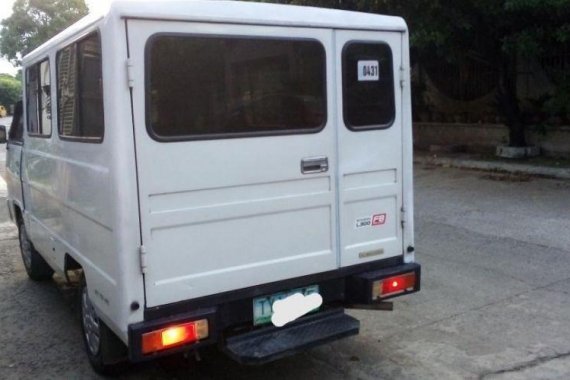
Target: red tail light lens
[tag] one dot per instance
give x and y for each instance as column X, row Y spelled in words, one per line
column 393, row 285
column 173, row 336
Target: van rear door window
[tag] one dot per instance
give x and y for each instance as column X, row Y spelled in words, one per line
column 368, row 85
column 217, row 87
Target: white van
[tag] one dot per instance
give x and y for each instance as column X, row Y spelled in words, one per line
column 197, row 161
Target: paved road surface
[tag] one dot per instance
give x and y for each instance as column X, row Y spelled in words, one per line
column 495, row 302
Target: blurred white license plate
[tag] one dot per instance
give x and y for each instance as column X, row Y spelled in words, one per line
column 263, row 306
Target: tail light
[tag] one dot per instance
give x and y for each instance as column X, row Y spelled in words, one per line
column 393, row 285
column 173, row 336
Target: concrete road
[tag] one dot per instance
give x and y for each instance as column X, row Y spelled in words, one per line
column 495, row 302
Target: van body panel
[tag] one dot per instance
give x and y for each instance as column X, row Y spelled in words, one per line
column 13, row 183
column 370, row 166
column 270, row 220
column 407, row 154
column 124, row 205
column 69, row 197
column 241, row 189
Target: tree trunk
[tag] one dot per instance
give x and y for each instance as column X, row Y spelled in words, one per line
column 507, row 99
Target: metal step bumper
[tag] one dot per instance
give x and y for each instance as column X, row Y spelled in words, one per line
column 271, row 343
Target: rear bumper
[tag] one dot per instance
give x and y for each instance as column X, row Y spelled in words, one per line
column 359, row 286
column 271, row 343
column 230, row 314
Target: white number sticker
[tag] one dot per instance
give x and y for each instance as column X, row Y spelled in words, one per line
column 368, row 71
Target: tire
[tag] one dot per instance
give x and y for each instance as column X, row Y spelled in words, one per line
column 36, row 267
column 105, row 351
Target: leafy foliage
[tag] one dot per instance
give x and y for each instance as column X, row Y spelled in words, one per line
column 10, row 90
column 34, row 22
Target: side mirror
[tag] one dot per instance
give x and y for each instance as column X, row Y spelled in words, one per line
column 2, row 134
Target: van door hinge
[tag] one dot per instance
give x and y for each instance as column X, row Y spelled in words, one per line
column 130, row 79
column 402, row 76
column 142, row 254
column 403, row 216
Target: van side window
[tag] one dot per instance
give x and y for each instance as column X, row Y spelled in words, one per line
column 217, row 87
column 38, row 99
column 32, row 99
column 80, row 90
column 368, row 85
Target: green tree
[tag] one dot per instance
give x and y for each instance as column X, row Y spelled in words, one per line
column 10, row 90
column 34, row 22
column 496, row 32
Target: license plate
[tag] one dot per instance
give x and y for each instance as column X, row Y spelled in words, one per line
column 263, row 306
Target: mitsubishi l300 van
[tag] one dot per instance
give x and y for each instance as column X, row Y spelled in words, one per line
column 219, row 173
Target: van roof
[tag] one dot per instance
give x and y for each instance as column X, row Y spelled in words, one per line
column 254, row 13
column 235, row 12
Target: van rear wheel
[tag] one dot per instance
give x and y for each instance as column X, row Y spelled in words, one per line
column 106, row 352
column 36, row 267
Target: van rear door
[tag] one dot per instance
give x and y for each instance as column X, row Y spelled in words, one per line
column 235, row 137
column 369, row 103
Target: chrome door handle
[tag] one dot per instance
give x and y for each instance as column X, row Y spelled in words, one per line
column 314, row 165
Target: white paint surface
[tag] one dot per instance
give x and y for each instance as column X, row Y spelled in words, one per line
column 215, row 215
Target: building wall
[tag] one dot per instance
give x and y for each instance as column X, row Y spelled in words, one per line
column 484, row 137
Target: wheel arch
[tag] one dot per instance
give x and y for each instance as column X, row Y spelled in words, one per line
column 69, row 263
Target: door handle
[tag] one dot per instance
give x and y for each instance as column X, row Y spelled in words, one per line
column 314, row 165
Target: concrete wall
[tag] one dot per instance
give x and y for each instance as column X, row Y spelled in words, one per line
column 483, row 138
